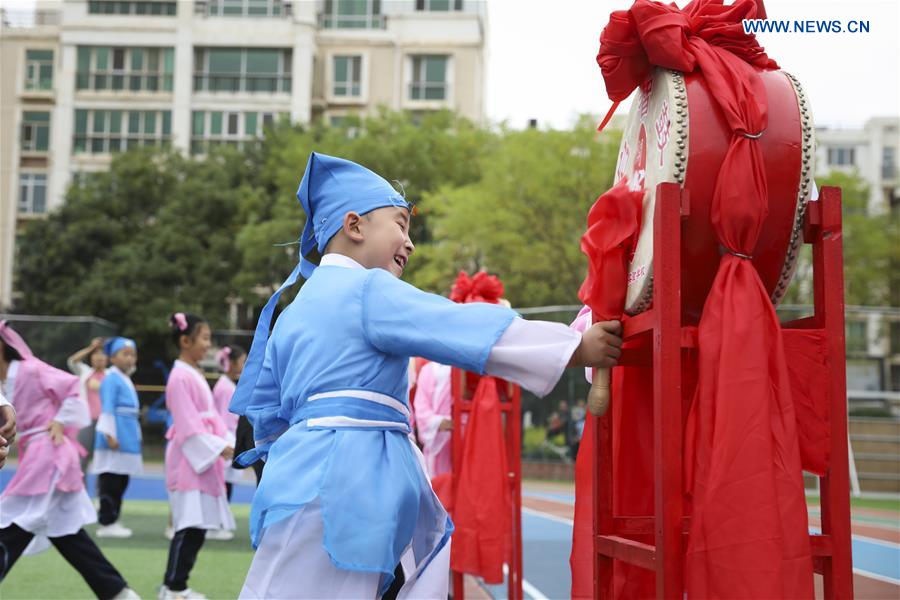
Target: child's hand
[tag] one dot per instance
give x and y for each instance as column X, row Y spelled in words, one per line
column 8, row 424
column 228, row 453
column 4, row 450
column 446, row 425
column 56, row 432
column 111, row 441
column 600, row 346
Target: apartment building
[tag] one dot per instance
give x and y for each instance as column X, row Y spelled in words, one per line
column 85, row 79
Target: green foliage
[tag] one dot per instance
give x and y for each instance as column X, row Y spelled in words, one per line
column 160, row 231
column 871, row 252
column 524, row 218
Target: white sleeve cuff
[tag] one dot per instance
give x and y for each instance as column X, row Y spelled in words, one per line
column 106, row 424
column 203, row 450
column 4, row 401
column 533, row 354
column 73, row 413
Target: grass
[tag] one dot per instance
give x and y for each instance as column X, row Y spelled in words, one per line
column 891, row 504
column 219, row 572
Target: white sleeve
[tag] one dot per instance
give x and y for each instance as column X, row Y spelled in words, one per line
column 203, row 450
column 73, row 413
column 4, row 401
column 533, row 354
column 76, row 367
column 106, row 424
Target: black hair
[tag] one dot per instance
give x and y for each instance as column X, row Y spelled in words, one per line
column 188, row 327
column 235, row 351
column 9, row 353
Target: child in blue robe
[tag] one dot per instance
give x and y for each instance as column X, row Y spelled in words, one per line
column 117, row 443
column 344, row 508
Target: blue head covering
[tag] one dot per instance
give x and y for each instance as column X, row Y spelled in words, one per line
column 331, row 187
column 113, row 345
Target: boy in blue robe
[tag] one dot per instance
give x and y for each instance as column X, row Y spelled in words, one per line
column 344, row 508
column 117, row 444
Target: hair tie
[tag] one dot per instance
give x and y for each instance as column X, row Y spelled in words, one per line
column 180, row 321
column 224, row 358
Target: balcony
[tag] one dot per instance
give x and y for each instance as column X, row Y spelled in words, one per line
column 24, row 19
column 339, row 21
column 254, row 9
column 234, row 83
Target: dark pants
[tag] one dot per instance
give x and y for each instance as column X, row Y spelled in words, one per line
column 182, row 555
column 243, row 442
column 78, row 549
column 229, row 489
column 110, row 488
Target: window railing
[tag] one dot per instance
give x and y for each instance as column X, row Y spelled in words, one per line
column 219, row 8
column 230, row 82
column 429, row 90
column 123, row 82
column 105, row 143
column 26, row 18
column 336, row 21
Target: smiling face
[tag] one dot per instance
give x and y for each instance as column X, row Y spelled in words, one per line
column 384, row 242
column 194, row 347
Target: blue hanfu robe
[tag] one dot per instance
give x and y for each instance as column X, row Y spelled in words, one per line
column 330, row 412
column 120, row 418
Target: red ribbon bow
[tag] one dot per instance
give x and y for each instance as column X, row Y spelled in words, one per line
column 481, row 287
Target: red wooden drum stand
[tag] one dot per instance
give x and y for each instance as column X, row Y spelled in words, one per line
column 462, row 385
column 662, row 326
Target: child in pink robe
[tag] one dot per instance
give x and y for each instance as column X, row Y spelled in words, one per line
column 194, row 469
column 231, row 360
column 46, row 496
column 433, row 411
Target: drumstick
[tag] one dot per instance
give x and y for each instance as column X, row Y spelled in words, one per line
column 598, row 396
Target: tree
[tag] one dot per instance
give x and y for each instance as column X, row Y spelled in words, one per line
column 524, row 218
column 151, row 236
column 871, row 256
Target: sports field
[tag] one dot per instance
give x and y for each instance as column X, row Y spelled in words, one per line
column 547, row 530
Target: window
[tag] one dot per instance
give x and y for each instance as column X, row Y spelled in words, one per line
column 110, row 131
column 439, row 5
column 888, row 162
column 242, row 70
column 32, row 193
column 842, row 156
column 856, row 337
column 347, row 76
column 120, row 69
column 35, row 131
column 141, row 7
column 212, row 128
column 245, row 8
column 39, row 70
column 429, row 78
column 352, row 14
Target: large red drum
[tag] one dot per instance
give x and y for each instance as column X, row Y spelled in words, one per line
column 676, row 132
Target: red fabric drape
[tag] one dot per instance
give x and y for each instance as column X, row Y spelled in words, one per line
column 748, row 533
column 482, row 503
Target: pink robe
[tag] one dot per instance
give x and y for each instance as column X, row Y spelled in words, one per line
column 433, row 404
column 190, row 401
column 222, row 393
column 38, row 397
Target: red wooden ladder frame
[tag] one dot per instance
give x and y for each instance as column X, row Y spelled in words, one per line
column 511, row 408
column 831, row 549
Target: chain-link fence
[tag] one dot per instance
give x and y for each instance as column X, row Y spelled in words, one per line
column 54, row 339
